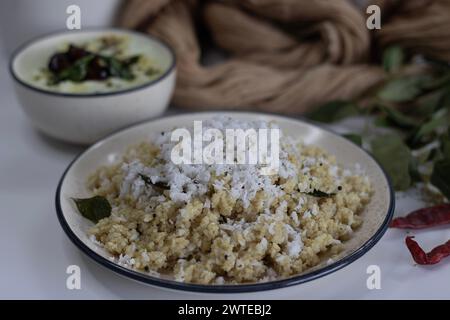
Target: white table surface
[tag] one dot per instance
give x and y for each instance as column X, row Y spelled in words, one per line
column 35, row 252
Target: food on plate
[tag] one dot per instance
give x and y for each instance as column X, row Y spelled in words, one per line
column 226, row 223
column 102, row 64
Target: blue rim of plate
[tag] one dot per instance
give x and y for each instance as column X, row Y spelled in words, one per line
column 93, row 94
column 240, row 288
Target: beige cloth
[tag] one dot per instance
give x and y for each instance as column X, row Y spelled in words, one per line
column 285, row 55
column 421, row 26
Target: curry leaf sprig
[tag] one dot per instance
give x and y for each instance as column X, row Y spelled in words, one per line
column 416, row 110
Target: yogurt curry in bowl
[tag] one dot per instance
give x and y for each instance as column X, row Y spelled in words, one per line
column 79, row 86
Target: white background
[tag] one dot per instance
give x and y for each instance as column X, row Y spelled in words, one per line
column 35, row 252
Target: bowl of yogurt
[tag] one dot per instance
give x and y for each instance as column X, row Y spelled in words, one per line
column 79, row 86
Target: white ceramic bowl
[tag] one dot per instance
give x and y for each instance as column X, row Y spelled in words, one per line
column 86, row 117
column 376, row 215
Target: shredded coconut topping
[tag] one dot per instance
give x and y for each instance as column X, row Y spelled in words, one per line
column 187, row 181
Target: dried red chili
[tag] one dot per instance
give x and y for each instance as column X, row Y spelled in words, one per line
column 424, row 218
column 432, row 257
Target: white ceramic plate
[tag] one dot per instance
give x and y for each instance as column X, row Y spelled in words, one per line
column 376, row 215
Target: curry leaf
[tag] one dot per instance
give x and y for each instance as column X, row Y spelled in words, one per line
column 119, row 69
column 438, row 120
column 402, row 89
column 77, row 72
column 440, row 177
column 333, row 111
column 429, row 103
column 398, row 118
column 395, row 157
column 355, row 138
column 393, row 58
column 94, row 209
